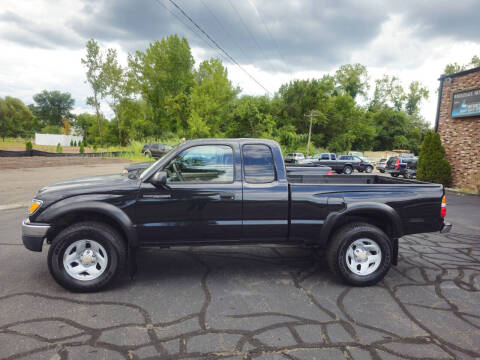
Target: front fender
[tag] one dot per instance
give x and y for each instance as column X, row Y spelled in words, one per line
column 65, row 207
column 362, row 209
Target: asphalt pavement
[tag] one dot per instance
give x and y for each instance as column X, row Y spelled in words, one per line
column 250, row 303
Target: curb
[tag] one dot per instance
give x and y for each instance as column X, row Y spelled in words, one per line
column 13, row 206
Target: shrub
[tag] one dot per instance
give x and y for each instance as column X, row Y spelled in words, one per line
column 59, row 148
column 94, row 147
column 71, row 143
column 433, row 166
column 28, row 146
column 82, row 148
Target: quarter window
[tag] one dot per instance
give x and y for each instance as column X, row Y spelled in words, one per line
column 258, row 164
column 204, row 163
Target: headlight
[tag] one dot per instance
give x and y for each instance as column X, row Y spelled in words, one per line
column 34, row 206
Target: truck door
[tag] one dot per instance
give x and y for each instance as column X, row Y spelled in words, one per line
column 201, row 202
column 265, row 196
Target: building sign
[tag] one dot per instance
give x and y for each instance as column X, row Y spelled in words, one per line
column 466, row 103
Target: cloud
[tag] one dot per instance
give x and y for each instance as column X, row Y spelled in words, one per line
column 21, row 30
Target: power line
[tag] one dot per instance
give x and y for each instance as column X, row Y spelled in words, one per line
column 217, row 45
column 225, row 30
column 186, row 24
column 268, row 30
column 251, row 35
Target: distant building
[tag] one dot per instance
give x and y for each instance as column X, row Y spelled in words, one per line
column 458, row 123
column 54, row 139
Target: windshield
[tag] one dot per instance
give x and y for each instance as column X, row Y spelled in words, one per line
column 147, row 172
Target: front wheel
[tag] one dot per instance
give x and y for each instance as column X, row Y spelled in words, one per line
column 347, row 170
column 86, row 256
column 369, row 169
column 360, row 254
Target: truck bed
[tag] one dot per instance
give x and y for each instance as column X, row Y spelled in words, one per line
column 312, row 178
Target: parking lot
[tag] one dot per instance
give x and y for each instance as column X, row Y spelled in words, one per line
column 242, row 302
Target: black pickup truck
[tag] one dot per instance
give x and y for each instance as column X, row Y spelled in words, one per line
column 227, row 192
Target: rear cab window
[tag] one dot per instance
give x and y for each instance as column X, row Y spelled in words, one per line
column 258, row 164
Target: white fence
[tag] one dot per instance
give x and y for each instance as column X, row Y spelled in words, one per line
column 54, row 139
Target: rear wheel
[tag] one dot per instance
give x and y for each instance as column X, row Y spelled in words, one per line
column 360, row 254
column 382, row 171
column 147, row 154
column 369, row 169
column 85, row 257
column 394, row 174
column 347, row 170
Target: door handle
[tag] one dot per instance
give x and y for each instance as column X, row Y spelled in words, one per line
column 228, row 196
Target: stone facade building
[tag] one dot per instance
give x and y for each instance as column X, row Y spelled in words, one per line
column 458, row 123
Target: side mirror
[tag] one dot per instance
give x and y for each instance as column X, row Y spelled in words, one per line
column 159, row 179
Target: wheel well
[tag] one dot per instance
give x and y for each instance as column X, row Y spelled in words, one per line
column 379, row 220
column 75, row 217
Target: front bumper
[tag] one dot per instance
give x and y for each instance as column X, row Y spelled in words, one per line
column 446, row 228
column 33, row 234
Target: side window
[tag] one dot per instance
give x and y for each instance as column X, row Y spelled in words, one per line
column 334, row 157
column 258, row 164
column 325, row 157
column 203, row 163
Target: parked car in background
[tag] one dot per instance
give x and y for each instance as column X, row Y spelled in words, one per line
column 155, row 150
column 381, row 165
column 325, row 156
column 397, row 165
column 411, row 172
column 358, row 163
column 294, row 158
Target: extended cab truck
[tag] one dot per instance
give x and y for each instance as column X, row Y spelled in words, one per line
column 227, row 192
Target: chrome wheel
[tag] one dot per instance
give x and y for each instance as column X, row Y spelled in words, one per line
column 85, row 260
column 363, row 257
column 368, row 169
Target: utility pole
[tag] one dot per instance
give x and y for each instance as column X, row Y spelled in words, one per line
column 311, row 116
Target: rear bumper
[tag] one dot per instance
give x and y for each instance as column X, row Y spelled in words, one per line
column 33, row 234
column 446, row 228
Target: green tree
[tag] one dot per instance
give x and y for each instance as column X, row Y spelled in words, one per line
column 94, row 62
column 252, row 118
column 352, row 79
column 163, row 71
column 115, row 85
column 82, row 148
column 16, row 118
column 52, row 106
column 432, row 165
column 388, row 92
column 416, row 94
column 213, row 96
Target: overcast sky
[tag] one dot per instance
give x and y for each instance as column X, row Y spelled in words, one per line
column 42, row 41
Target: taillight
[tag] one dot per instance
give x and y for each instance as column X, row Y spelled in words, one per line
column 397, row 164
column 359, row 164
column 330, row 172
column 443, row 207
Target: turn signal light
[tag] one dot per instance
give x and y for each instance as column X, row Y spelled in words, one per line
column 443, row 207
column 34, row 206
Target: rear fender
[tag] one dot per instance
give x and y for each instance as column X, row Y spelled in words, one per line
column 363, row 209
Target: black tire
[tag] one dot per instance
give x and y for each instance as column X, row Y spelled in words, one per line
column 382, row 171
column 339, row 244
column 106, row 236
column 348, row 170
column 369, row 169
column 148, row 154
column 394, row 174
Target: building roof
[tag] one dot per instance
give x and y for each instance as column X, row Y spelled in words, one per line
column 460, row 73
